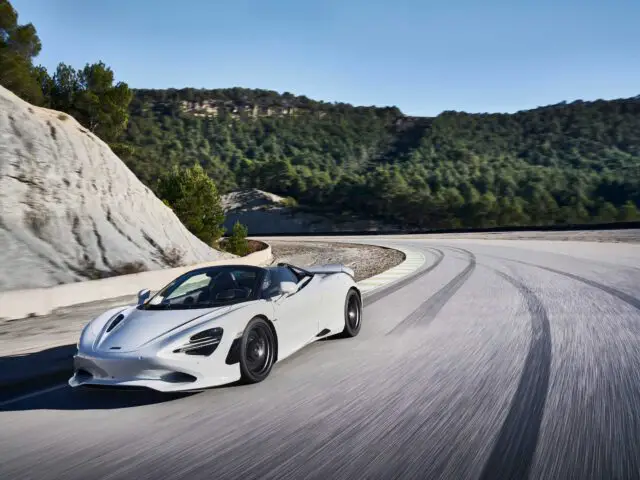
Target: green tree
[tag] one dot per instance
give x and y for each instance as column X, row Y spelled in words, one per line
column 237, row 242
column 194, row 198
column 607, row 212
column 628, row 212
column 19, row 44
column 92, row 98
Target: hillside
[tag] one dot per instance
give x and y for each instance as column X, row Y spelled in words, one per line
column 70, row 210
column 564, row 163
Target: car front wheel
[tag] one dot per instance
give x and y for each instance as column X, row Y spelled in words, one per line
column 257, row 351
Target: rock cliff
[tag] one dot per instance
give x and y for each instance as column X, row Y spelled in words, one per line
column 71, row 210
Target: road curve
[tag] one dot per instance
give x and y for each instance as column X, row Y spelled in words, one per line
column 499, row 359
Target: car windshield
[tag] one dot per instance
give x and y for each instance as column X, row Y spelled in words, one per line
column 207, row 288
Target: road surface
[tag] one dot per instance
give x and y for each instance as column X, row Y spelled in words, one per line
column 498, row 359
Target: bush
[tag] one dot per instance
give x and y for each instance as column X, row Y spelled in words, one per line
column 289, row 202
column 194, row 198
column 237, row 243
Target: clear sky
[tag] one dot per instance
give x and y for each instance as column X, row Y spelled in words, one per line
column 424, row 56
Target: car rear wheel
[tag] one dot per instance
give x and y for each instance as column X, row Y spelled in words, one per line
column 352, row 314
column 257, row 351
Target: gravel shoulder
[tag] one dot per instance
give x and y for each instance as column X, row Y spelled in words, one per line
column 365, row 260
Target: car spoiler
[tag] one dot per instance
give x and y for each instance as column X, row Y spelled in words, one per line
column 331, row 269
column 328, row 269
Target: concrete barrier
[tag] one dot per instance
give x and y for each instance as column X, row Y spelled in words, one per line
column 40, row 301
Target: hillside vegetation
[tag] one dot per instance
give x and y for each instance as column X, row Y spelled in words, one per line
column 565, row 163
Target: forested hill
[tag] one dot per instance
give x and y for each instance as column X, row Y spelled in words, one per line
column 565, row 163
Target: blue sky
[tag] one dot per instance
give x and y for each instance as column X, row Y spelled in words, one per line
column 423, row 56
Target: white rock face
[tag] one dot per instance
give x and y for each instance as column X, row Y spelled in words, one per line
column 71, row 210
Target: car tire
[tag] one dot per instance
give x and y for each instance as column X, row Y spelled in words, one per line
column 257, row 351
column 352, row 314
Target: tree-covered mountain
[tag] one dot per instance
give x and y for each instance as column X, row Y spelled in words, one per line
column 564, row 163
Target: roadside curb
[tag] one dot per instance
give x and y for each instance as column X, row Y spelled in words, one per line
column 413, row 261
column 16, row 304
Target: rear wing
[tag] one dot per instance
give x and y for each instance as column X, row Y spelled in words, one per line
column 328, row 269
column 331, row 269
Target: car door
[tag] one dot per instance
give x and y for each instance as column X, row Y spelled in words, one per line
column 295, row 319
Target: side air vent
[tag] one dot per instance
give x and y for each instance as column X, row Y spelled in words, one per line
column 115, row 322
column 323, row 333
column 233, row 356
column 203, row 343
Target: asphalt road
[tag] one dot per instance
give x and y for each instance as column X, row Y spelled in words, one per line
column 500, row 359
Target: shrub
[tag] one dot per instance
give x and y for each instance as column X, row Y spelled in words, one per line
column 194, row 198
column 289, row 202
column 237, row 243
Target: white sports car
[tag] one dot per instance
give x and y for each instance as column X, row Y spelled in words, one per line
column 217, row 325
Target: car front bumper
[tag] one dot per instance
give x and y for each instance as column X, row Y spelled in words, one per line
column 182, row 373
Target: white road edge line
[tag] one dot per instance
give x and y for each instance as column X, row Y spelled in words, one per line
column 414, row 259
column 33, row 394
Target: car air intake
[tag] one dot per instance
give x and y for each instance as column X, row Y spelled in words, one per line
column 202, row 343
column 178, row 377
column 115, row 322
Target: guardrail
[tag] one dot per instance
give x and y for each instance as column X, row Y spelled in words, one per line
column 40, row 301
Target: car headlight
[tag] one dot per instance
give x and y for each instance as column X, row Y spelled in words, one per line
column 202, row 343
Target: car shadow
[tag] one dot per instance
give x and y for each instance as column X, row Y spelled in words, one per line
column 67, row 398
column 22, row 373
column 38, row 381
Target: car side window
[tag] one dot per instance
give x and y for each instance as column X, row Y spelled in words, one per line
column 274, row 277
column 286, row 275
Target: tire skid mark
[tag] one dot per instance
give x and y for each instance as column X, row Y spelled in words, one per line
column 428, row 309
column 380, row 294
column 515, row 446
column 633, row 301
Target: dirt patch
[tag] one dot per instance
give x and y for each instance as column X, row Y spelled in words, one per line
column 365, row 260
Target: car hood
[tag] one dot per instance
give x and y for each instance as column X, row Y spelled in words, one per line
column 139, row 327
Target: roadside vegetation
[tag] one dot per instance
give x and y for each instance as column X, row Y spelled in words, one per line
column 237, row 242
column 561, row 164
column 194, row 198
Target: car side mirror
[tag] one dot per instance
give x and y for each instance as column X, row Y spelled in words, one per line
column 143, row 295
column 288, row 288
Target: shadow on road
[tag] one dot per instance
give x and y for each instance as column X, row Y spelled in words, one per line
column 67, row 398
column 47, row 371
column 20, row 374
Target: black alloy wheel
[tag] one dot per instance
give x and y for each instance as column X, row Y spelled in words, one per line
column 257, row 351
column 352, row 314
